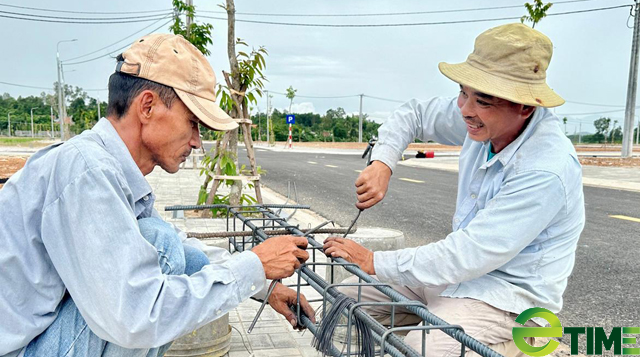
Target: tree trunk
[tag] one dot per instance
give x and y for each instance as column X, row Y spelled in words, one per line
column 234, row 85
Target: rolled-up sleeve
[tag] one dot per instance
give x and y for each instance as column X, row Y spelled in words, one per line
column 112, row 272
column 492, row 238
column 437, row 119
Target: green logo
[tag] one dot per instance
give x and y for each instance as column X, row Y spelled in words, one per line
column 597, row 340
column 520, row 333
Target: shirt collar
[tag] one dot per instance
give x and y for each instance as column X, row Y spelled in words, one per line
column 508, row 152
column 114, row 145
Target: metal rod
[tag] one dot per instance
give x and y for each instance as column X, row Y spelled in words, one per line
column 264, row 302
column 352, row 223
column 197, row 207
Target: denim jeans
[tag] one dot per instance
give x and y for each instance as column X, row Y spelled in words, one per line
column 69, row 334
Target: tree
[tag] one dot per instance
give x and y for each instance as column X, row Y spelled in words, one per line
column 291, row 93
column 537, row 12
column 198, row 34
column 602, row 127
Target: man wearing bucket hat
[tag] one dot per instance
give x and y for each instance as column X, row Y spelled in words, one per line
column 88, row 267
column 520, row 205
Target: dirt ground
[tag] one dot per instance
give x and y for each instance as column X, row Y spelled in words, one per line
column 595, row 161
column 9, row 165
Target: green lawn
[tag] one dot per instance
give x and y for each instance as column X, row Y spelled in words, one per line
column 10, row 141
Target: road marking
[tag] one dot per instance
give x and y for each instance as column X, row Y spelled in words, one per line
column 311, row 162
column 410, row 180
column 626, row 218
column 262, row 150
column 334, row 166
column 358, row 171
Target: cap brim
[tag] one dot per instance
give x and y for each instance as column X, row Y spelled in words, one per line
column 209, row 113
column 534, row 94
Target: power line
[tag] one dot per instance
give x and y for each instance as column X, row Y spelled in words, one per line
column 76, row 22
column 86, row 18
column 25, row 86
column 319, row 97
column 409, row 23
column 86, row 12
column 385, row 99
column 386, row 14
column 105, row 47
column 603, row 112
column 116, row 50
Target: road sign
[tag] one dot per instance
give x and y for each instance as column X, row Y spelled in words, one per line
column 291, row 119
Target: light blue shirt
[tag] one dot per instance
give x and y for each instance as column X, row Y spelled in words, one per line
column 518, row 215
column 68, row 222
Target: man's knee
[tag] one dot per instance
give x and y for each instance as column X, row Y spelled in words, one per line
column 195, row 260
column 167, row 243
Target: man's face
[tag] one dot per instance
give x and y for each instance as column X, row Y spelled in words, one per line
column 171, row 135
column 491, row 118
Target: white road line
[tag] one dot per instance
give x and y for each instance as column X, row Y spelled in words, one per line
column 334, row 166
column 410, row 180
column 626, row 218
column 311, row 162
column 357, row 171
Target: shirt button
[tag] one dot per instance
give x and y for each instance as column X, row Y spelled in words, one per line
column 456, row 220
column 219, row 312
column 473, row 195
column 253, row 287
column 146, row 198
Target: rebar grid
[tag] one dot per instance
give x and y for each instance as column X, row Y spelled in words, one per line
column 389, row 342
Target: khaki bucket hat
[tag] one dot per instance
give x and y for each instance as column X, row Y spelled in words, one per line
column 509, row 62
column 173, row 61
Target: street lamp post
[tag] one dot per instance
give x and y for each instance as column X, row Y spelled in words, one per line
column 61, row 109
column 32, row 134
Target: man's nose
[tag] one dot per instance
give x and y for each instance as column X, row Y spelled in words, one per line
column 196, row 140
column 467, row 109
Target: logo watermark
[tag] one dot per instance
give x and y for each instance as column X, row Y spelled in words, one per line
column 597, row 339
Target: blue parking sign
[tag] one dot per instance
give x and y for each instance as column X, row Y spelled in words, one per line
column 291, row 119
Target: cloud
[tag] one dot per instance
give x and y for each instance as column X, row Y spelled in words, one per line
column 304, row 107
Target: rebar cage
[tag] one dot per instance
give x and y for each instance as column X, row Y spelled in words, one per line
column 260, row 222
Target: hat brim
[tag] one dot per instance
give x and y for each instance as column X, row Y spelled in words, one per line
column 209, row 113
column 534, row 94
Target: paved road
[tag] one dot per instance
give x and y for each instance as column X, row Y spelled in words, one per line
column 603, row 290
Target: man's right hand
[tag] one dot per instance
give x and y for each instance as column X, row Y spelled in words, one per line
column 372, row 184
column 281, row 256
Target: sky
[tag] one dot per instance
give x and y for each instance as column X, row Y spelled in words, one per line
column 589, row 68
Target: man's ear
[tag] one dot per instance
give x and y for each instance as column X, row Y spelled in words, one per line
column 146, row 102
column 527, row 111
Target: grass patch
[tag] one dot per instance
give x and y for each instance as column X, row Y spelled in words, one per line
column 7, row 141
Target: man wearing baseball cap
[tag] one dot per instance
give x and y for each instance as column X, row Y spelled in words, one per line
column 520, row 205
column 88, row 267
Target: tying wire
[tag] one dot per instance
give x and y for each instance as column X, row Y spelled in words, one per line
column 323, row 339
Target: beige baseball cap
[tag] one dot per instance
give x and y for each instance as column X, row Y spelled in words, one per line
column 173, row 61
column 509, row 62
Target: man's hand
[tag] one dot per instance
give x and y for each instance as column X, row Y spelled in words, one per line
column 280, row 256
column 351, row 251
column 282, row 297
column 372, row 184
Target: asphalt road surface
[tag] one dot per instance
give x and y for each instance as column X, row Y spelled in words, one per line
column 604, row 288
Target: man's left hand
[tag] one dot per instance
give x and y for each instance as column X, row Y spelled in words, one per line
column 351, row 251
column 282, row 297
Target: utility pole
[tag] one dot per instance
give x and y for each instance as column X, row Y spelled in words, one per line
column 627, row 137
column 52, row 132
column 9, row 119
column 99, row 116
column 360, row 121
column 189, row 18
column 32, row 134
column 61, row 111
column 580, row 134
column 638, row 134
